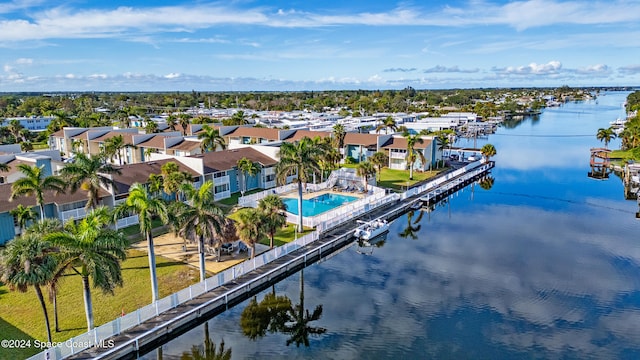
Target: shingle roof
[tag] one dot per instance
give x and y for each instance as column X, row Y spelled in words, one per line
column 265, row 133
column 139, row 173
column 360, row 139
column 299, row 134
column 49, row 198
column 186, row 145
column 228, row 159
column 401, row 143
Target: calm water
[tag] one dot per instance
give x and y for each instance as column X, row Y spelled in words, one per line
column 545, row 264
column 317, row 205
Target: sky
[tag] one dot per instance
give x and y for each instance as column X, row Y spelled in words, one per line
column 245, row 45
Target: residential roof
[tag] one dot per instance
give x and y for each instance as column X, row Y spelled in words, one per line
column 186, row 145
column 139, row 173
column 127, row 137
column 299, row 134
column 264, row 133
column 360, row 139
column 156, row 142
column 49, row 198
column 401, row 143
column 228, row 159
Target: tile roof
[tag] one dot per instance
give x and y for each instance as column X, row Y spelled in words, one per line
column 49, row 198
column 139, row 173
column 401, row 143
column 299, row 134
column 360, row 139
column 156, row 142
column 186, row 145
column 264, row 133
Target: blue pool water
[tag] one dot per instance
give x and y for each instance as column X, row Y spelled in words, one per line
column 318, row 204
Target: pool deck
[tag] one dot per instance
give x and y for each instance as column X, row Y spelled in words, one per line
column 310, row 195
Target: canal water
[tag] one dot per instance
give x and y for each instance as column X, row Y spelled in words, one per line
column 543, row 262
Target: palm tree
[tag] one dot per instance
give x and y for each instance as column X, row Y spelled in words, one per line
column 388, row 124
column 146, row 207
column 23, row 216
column 412, row 226
column 365, row 170
column 156, row 184
column 92, row 250
column 249, row 228
column 211, row 139
column 412, row 154
column 4, row 167
column 605, row 135
column 201, row 219
column 35, row 183
column 299, row 318
column 443, row 142
column 173, row 179
column 247, row 168
column 89, row 172
column 184, row 120
column 114, row 146
column 172, row 122
column 338, row 135
column 273, row 208
column 488, row 151
column 29, row 261
column 379, row 160
column 41, row 228
column 486, row 183
column 238, row 118
column 300, row 159
column 209, row 352
column 151, row 127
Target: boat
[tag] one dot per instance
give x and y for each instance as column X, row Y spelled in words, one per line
column 366, row 246
column 371, row 229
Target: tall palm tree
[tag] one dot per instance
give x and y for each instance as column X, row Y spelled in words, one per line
column 202, row 218
column 23, row 216
column 299, row 318
column 156, row 184
column 379, row 160
column 35, row 183
column 89, row 172
column 146, row 207
column 172, row 122
column 247, row 168
column 184, row 120
column 338, row 135
column 29, row 261
column 365, row 170
column 92, row 250
column 443, row 142
column 488, row 151
column 211, row 139
column 605, row 135
column 412, row 153
column 41, row 228
column 249, row 227
column 114, row 147
column 300, row 159
column 388, row 124
column 273, row 209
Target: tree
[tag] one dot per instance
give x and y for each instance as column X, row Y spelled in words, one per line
column 35, row 183
column 338, row 135
column 249, row 228
column 443, row 142
column 247, row 168
column 172, row 122
column 210, row 351
column 388, row 124
column 300, row 159
column 173, row 178
column 605, row 135
column 299, row 318
column 486, row 183
column 156, row 184
column 379, row 160
column 151, row 127
column 184, row 120
column 365, row 170
column 4, row 167
column 113, row 147
column 92, row 250
column 146, row 207
column 23, row 216
column 488, row 151
column 29, row 261
column 273, row 209
column 210, row 139
column 412, row 226
column 89, row 172
column 202, row 218
column 412, row 154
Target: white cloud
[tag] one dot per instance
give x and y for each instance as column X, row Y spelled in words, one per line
column 552, row 67
column 172, row 76
column 630, row 69
column 451, row 69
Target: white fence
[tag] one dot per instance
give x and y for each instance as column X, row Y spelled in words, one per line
column 252, row 200
column 331, row 219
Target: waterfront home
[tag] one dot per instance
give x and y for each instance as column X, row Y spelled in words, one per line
column 396, row 150
column 360, row 147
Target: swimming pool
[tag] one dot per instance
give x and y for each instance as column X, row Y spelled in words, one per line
column 317, row 205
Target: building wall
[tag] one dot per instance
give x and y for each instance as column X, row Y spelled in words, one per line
column 7, row 230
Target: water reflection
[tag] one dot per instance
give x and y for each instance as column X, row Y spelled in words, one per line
column 412, row 227
column 486, row 183
column 208, row 351
column 277, row 314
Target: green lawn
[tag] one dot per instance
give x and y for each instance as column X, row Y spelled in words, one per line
column 399, row 179
column 285, row 235
column 631, row 154
column 21, row 314
column 233, row 200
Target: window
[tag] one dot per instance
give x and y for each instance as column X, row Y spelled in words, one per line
column 219, row 174
column 222, row 188
column 269, row 178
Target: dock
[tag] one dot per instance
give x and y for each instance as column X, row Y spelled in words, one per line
column 169, row 324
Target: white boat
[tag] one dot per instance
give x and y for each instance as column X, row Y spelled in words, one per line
column 369, row 230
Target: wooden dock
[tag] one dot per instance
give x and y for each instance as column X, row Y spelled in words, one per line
column 138, row 340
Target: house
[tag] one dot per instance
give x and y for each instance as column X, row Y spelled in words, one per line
column 251, row 135
column 396, row 150
column 362, row 146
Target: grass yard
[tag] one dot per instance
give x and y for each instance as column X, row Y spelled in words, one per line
column 233, row 200
column 21, row 315
column 399, row 179
column 285, row 235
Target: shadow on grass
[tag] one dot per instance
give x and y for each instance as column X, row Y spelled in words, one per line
column 9, row 331
column 164, row 264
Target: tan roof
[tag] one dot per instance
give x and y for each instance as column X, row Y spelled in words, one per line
column 139, row 173
column 186, row 145
column 49, row 198
column 59, row 133
column 228, row 159
column 156, row 142
column 299, row 134
column 360, row 139
column 401, row 143
column 127, row 137
column 264, row 133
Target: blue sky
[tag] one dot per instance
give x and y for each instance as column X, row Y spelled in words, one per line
column 49, row 45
